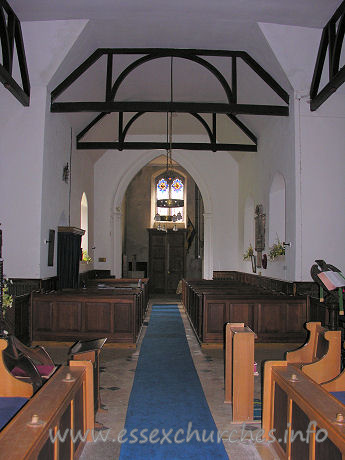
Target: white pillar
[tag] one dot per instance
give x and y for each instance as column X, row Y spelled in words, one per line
column 208, row 246
column 117, row 243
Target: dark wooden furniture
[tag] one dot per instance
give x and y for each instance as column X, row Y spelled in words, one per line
column 274, row 318
column 271, row 284
column 68, row 256
column 167, row 256
column 86, row 314
column 143, row 283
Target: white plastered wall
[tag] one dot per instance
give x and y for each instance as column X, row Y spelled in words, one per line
column 21, row 164
column 32, row 147
column 319, row 154
column 321, row 150
column 257, row 170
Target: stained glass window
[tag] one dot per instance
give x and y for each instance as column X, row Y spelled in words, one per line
column 166, row 189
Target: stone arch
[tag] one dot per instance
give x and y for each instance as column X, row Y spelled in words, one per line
column 119, row 194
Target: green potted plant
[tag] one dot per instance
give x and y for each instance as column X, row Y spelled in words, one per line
column 7, row 299
column 86, row 258
column 249, row 252
column 276, row 250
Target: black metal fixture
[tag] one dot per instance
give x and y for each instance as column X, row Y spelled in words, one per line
column 170, row 177
column 65, row 173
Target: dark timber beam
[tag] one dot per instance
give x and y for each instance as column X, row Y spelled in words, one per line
column 230, row 108
column 243, row 127
column 332, row 41
column 180, row 107
column 165, row 146
column 328, row 90
column 122, row 132
column 10, row 36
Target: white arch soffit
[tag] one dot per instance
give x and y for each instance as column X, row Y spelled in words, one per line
column 119, row 193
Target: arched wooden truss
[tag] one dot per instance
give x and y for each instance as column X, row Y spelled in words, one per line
column 332, row 41
column 10, row 35
column 230, row 108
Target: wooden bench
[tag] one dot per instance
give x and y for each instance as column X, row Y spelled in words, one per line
column 65, row 402
column 294, row 405
column 274, row 318
column 126, row 282
column 83, row 314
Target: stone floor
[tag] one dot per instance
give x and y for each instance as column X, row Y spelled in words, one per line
column 116, row 384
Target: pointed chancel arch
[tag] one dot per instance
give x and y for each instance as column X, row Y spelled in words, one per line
column 277, row 212
column 119, row 193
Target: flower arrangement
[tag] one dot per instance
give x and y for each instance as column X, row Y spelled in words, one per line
column 86, row 258
column 249, row 253
column 276, row 250
column 7, row 299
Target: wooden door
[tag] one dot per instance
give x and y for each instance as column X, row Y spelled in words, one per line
column 166, row 260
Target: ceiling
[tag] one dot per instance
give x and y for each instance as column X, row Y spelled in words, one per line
column 199, row 24
column 186, row 15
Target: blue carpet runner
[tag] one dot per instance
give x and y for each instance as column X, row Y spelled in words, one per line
column 167, row 405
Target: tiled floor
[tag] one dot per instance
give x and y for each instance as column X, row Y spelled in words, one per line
column 116, row 384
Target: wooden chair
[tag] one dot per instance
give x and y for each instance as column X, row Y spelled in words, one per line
column 29, row 363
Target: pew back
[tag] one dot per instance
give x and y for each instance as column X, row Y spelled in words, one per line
column 274, row 318
column 61, row 404
column 295, row 409
column 320, row 356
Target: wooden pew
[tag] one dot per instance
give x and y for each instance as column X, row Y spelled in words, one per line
column 143, row 283
column 295, row 405
column 320, row 356
column 274, row 318
column 193, row 292
column 65, row 402
column 83, row 314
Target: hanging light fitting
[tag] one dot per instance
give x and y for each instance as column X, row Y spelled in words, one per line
column 170, row 177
